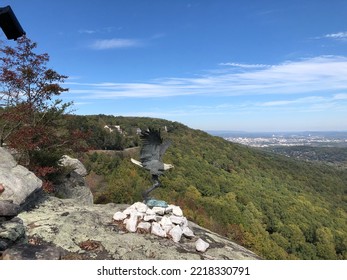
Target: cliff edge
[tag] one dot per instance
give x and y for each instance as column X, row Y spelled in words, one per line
column 57, row 228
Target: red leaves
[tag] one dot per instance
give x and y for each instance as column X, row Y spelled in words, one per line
column 25, row 74
column 31, row 119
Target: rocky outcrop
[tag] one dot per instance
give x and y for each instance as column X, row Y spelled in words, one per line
column 90, row 232
column 18, row 184
column 18, row 188
column 74, row 185
column 75, row 228
column 74, row 164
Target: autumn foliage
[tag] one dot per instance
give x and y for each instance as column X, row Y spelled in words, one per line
column 31, row 115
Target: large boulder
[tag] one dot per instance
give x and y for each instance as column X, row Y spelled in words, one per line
column 8, row 209
column 89, row 232
column 74, row 164
column 74, row 185
column 18, row 184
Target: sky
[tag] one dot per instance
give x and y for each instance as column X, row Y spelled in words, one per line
column 240, row 65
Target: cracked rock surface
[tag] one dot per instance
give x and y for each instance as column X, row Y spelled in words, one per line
column 90, row 232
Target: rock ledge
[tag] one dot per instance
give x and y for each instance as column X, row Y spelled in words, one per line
column 90, row 232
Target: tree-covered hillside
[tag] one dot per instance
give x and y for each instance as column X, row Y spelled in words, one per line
column 278, row 207
column 335, row 156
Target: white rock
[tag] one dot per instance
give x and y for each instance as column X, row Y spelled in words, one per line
column 133, row 212
column 141, row 207
column 169, row 209
column 159, row 210
column 148, row 218
column 177, row 211
column 166, row 224
column 150, row 212
column 176, row 233
column 131, row 224
column 177, row 220
column 140, row 215
column 130, row 210
column 167, row 228
column 119, row 216
column 187, row 232
column 144, row 225
column 165, row 221
column 201, row 245
column 157, row 230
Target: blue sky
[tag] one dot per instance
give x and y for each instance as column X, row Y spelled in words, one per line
column 248, row 65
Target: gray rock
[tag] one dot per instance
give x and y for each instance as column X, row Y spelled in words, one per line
column 6, row 159
column 65, row 224
column 74, row 164
column 32, row 252
column 18, row 182
column 11, row 231
column 74, row 186
column 8, row 209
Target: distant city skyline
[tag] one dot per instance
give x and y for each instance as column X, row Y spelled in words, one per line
column 262, row 66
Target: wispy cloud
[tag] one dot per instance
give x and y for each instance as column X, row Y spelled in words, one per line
column 337, row 36
column 242, row 65
column 306, row 76
column 309, row 100
column 87, row 31
column 327, row 103
column 115, row 43
column 102, row 30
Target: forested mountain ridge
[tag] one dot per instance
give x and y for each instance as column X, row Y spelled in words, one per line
column 278, row 207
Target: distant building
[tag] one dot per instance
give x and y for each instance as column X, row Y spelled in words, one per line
column 111, row 128
column 108, row 128
column 138, row 131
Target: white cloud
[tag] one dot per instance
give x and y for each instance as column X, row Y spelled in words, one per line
column 115, row 43
column 337, row 36
column 298, row 101
column 306, row 76
column 87, row 31
column 242, row 65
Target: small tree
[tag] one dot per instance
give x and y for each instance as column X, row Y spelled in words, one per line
column 30, row 114
column 28, row 91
